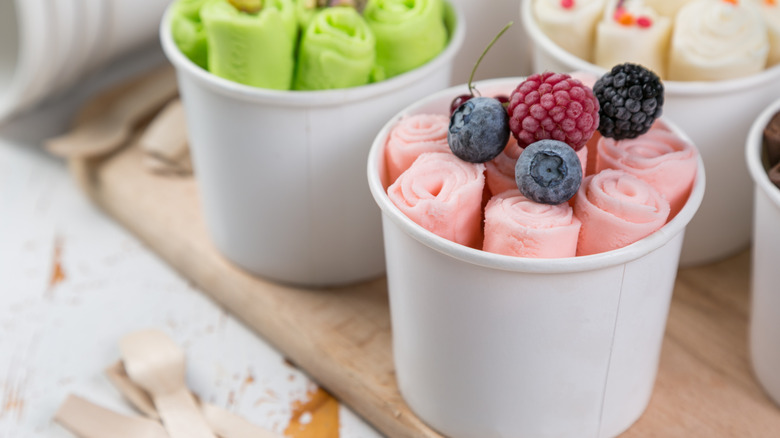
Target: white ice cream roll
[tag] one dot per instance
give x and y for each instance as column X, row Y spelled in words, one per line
column 667, row 8
column 570, row 23
column 770, row 10
column 631, row 31
column 716, row 40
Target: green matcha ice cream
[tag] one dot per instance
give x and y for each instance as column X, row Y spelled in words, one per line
column 255, row 49
column 188, row 32
column 306, row 9
column 336, row 51
column 408, row 33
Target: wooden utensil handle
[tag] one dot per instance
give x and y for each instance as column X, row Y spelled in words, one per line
column 181, row 415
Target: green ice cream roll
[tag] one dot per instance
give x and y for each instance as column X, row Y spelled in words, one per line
column 408, row 33
column 188, row 32
column 251, row 47
column 307, row 9
column 337, row 50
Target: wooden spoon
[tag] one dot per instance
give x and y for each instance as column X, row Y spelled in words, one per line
column 223, row 422
column 107, row 122
column 156, row 364
column 87, row 420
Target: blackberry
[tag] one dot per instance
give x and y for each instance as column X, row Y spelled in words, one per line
column 631, row 98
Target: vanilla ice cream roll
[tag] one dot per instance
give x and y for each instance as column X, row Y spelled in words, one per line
column 770, row 10
column 667, row 8
column 633, row 32
column 716, row 40
column 571, row 24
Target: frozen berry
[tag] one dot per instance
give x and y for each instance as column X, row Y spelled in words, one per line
column 553, row 106
column 458, row 101
column 631, row 99
column 548, row 172
column 479, row 130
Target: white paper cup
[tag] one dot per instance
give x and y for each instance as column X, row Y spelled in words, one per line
column 487, row 345
column 717, row 116
column 510, row 56
column 282, row 173
column 765, row 286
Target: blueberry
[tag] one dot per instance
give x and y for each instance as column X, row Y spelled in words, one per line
column 479, row 130
column 548, row 172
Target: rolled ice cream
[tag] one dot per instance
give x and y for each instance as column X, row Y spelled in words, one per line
column 408, row 33
column 336, row 51
column 517, row 226
column 616, row 210
column 411, row 137
column 443, row 194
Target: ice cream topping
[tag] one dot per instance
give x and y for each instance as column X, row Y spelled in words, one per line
column 537, row 200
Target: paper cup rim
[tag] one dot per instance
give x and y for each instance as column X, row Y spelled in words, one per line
column 753, row 153
column 522, row 264
column 294, row 98
column 675, row 88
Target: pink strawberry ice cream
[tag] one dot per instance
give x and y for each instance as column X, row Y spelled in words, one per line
column 443, row 194
column 659, row 157
column 617, row 209
column 500, row 171
column 413, row 136
column 517, row 226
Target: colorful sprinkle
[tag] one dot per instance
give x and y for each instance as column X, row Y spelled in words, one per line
column 567, row 4
column 770, row 2
column 644, row 22
column 623, row 17
column 733, row 2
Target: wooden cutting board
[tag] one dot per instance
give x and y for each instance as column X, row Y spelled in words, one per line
column 342, row 338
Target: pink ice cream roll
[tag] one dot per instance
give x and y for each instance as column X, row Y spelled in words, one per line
column 518, row 226
column 617, row 209
column 659, row 157
column 500, row 171
column 412, row 136
column 443, row 194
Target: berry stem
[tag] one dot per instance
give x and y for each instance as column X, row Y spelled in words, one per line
column 484, row 52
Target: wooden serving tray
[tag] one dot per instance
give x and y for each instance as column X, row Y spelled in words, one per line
column 342, row 338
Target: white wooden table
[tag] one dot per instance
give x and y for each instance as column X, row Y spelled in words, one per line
column 72, row 283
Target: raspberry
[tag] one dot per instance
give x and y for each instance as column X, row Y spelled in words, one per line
column 631, row 98
column 553, row 106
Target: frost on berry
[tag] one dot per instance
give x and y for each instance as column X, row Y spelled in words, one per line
column 553, row 106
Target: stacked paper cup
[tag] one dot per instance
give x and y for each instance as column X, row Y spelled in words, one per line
column 46, row 46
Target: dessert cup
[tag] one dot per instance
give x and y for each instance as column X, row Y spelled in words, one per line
column 717, row 116
column 487, row 345
column 282, row 173
column 765, row 302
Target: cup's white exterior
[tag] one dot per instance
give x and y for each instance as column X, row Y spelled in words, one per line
column 46, row 46
column 282, row 173
column 717, row 116
column 765, row 304
column 510, row 56
column 487, row 345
